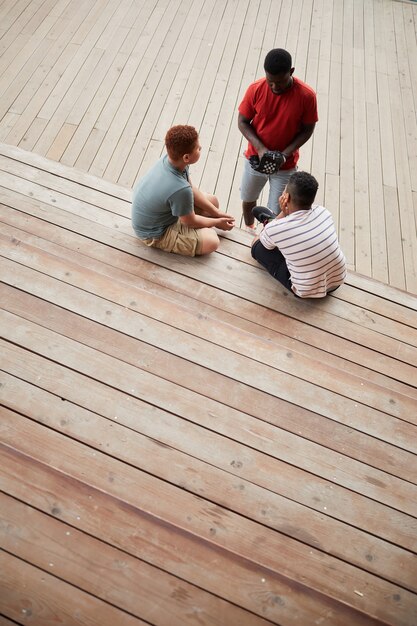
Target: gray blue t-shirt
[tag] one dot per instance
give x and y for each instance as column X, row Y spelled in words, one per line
column 159, row 198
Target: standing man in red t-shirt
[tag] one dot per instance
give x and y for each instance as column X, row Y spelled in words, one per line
column 278, row 112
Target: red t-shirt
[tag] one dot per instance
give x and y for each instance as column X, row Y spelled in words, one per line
column 277, row 119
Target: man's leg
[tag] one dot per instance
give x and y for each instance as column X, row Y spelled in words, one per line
column 274, row 262
column 277, row 184
column 247, row 212
column 250, row 188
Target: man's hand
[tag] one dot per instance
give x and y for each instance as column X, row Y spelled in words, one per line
column 270, row 162
column 261, row 152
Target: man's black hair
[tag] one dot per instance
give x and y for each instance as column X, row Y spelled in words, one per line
column 302, row 188
column 277, row 61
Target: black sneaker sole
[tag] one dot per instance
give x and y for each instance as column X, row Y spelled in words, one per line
column 263, row 214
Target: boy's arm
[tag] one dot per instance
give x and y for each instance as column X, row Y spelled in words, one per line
column 204, row 205
column 192, row 220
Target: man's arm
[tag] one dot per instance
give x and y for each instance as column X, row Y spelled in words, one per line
column 300, row 139
column 248, row 132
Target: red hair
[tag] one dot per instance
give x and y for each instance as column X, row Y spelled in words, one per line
column 180, row 140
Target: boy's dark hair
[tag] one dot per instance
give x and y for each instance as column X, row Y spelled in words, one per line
column 180, row 140
column 277, row 61
column 302, row 188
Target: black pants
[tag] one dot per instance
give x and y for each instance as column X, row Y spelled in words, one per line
column 273, row 261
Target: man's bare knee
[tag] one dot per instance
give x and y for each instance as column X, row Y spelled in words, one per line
column 210, row 241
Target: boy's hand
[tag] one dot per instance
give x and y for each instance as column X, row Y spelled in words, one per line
column 225, row 223
column 283, row 204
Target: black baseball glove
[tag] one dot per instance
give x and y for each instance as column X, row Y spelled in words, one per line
column 270, row 162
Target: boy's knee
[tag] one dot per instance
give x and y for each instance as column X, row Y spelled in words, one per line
column 214, row 200
column 210, row 241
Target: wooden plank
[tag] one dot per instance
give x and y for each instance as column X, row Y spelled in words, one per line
column 34, row 105
column 31, row 85
column 19, row 83
column 379, row 252
column 302, row 422
column 367, row 395
column 83, row 178
column 363, row 260
column 109, row 574
column 411, row 42
column 80, row 331
column 215, row 525
column 30, row 593
column 379, row 315
column 223, row 122
column 400, row 95
column 10, row 11
column 267, row 507
column 85, row 51
column 61, row 141
column 77, row 149
column 7, row 123
column 77, row 78
column 382, row 290
column 228, row 146
column 13, row 23
column 322, row 319
column 5, row 621
column 19, row 60
column 319, row 467
column 172, row 84
column 405, row 50
column 364, row 29
column 371, row 88
column 148, row 538
column 130, row 110
column 33, row 133
column 333, row 119
column 319, row 305
column 312, row 337
column 212, row 82
column 100, row 75
column 331, row 197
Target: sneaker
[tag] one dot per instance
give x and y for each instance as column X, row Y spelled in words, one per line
column 263, row 214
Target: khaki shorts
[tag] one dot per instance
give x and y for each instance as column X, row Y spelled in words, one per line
column 178, row 239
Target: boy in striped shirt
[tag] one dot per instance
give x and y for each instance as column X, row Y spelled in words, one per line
column 299, row 247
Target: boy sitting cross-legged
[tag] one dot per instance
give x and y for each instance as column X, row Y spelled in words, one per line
column 168, row 212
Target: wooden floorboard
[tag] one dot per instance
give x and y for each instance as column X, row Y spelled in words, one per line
column 184, row 443
column 96, row 86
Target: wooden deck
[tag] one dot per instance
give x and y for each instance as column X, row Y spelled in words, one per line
column 97, row 83
column 182, row 441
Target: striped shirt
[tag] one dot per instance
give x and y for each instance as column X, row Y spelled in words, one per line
column 308, row 241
